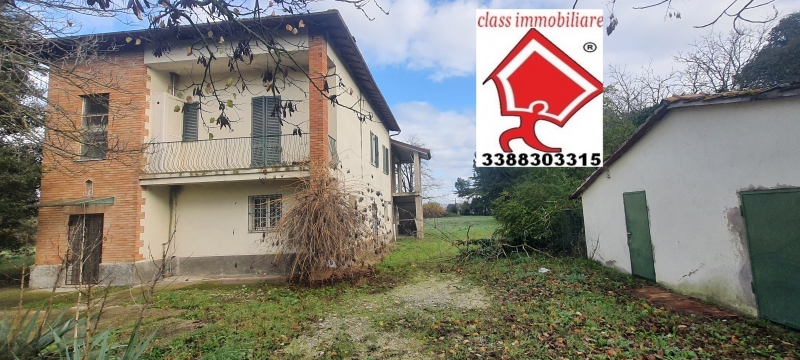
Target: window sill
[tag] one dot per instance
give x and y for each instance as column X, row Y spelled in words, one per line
column 267, row 231
column 89, row 160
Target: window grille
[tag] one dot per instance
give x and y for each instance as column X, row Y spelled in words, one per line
column 264, row 211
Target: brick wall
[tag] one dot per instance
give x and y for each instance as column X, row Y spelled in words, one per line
column 124, row 77
column 318, row 103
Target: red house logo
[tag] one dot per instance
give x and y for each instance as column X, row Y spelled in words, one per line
column 537, row 81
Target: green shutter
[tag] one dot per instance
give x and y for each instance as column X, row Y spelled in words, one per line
column 385, row 160
column 190, row 119
column 259, row 111
column 371, row 148
column 272, row 126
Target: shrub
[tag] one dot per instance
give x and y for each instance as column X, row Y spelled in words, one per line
column 432, row 210
column 534, row 211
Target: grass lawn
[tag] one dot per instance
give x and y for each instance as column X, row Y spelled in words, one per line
column 422, row 304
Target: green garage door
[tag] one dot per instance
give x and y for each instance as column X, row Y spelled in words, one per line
column 773, row 233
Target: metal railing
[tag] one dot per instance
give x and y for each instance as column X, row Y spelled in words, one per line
column 226, row 154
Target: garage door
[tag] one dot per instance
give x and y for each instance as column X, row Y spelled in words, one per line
column 772, row 218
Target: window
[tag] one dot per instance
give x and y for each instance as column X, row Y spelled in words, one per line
column 385, row 160
column 94, row 127
column 374, row 155
column 190, row 115
column 264, row 211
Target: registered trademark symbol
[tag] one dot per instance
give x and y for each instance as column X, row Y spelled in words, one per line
column 589, row 47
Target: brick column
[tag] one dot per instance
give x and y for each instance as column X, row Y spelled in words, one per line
column 318, row 103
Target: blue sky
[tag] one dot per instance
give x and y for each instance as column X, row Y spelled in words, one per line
column 422, row 56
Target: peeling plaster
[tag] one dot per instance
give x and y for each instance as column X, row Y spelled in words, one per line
column 738, row 232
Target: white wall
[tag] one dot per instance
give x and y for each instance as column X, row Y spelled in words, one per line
column 241, row 113
column 212, row 219
column 692, row 166
column 353, row 144
column 155, row 222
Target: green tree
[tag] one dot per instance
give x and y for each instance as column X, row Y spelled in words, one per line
column 779, row 61
column 528, row 203
column 20, row 172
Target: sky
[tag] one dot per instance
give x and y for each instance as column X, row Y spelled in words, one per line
column 422, row 56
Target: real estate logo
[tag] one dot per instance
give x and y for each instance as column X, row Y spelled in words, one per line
column 544, row 108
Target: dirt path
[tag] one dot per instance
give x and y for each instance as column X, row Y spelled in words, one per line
column 359, row 325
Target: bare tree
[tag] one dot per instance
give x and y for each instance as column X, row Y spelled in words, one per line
column 630, row 92
column 712, row 62
column 430, row 184
column 38, row 41
column 741, row 12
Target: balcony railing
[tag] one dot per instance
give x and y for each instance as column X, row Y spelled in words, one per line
column 227, row 154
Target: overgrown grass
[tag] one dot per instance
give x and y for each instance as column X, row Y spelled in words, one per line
column 578, row 309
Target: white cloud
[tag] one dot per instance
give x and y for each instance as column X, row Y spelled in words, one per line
column 439, row 36
column 418, row 34
column 449, row 134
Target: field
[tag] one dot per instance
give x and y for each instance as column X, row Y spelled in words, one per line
column 425, row 303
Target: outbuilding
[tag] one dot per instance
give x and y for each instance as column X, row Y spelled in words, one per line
column 704, row 199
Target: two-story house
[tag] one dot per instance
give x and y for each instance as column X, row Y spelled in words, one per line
column 200, row 199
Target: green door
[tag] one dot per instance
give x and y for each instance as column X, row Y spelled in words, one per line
column 772, row 218
column 637, row 222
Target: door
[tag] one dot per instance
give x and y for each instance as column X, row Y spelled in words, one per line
column 772, row 218
column 266, row 131
column 85, row 247
column 637, row 221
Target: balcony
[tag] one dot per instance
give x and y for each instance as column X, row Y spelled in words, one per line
column 228, row 159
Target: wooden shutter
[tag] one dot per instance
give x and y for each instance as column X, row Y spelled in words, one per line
column 272, row 126
column 190, row 118
column 374, row 152
column 257, row 146
column 385, row 160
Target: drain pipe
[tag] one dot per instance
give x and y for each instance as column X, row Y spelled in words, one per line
column 173, row 81
column 173, row 197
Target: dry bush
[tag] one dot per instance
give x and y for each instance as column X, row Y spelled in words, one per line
column 432, row 210
column 330, row 231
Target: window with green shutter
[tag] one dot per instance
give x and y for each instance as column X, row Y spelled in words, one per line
column 191, row 113
column 374, row 153
column 266, row 131
column 385, row 160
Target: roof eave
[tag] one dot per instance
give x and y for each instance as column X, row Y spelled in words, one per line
column 784, row 90
column 337, row 31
